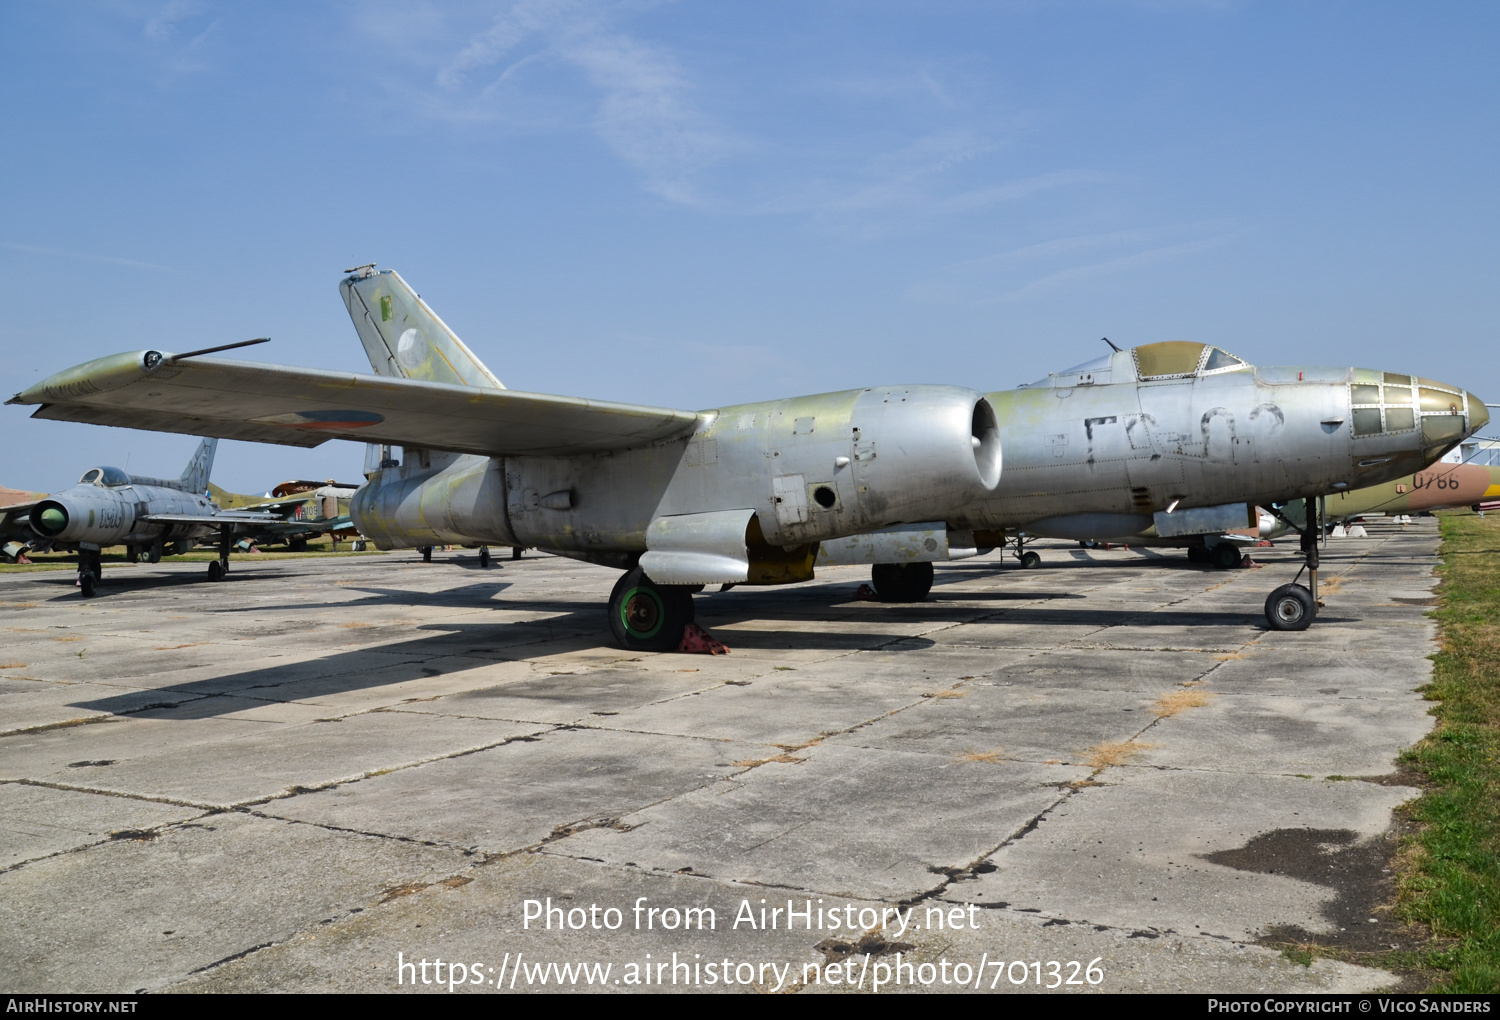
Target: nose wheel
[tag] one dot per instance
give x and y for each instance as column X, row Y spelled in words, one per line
column 1291, row 607
column 1295, row 606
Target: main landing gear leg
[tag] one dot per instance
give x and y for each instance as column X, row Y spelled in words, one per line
column 219, row 567
column 90, row 572
column 1293, row 606
column 1029, row 560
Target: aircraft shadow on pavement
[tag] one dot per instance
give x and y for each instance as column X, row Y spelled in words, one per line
column 579, row 625
column 122, row 582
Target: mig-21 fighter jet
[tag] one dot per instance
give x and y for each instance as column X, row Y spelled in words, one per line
column 146, row 515
column 749, row 494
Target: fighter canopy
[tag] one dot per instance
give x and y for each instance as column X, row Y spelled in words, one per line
column 106, row 476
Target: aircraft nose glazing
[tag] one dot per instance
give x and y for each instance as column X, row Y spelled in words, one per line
column 1479, row 415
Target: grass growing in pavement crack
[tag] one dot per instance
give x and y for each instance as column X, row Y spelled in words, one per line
column 1449, row 869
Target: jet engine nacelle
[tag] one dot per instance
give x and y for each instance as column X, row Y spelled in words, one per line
column 917, row 452
column 450, row 499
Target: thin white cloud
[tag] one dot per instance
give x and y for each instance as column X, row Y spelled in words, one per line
column 643, row 105
column 85, row 256
column 162, row 24
column 1001, row 277
column 1109, row 267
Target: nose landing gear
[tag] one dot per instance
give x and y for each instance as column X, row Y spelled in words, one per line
column 1294, row 606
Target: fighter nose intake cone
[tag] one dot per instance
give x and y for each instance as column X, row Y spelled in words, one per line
column 54, row 519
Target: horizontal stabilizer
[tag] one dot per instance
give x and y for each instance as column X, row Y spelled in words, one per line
column 305, row 407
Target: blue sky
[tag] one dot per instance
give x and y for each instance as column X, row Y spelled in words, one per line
column 694, row 204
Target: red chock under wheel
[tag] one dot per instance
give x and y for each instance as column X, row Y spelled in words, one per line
column 696, row 640
column 864, row 593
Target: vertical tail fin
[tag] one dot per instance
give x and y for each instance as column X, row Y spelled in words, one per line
column 195, row 475
column 403, row 337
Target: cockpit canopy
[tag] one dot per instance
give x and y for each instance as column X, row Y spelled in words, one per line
column 107, row 476
column 1173, row 358
column 1170, row 359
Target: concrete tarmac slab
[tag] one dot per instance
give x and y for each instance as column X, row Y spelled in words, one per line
column 488, row 745
column 526, row 791
column 281, row 757
column 836, row 819
column 38, row 821
column 137, row 914
column 1020, row 723
column 483, row 921
column 1133, row 852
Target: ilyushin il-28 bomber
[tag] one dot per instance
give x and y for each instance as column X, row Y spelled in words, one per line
column 897, row 476
column 146, row 515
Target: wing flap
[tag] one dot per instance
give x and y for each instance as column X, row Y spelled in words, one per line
column 305, row 407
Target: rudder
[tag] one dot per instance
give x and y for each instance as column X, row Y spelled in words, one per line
column 195, row 475
column 405, row 338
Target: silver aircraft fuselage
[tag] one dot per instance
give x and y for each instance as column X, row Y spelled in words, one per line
column 110, row 507
column 1099, row 450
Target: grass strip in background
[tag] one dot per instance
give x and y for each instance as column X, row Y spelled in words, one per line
column 1449, row 869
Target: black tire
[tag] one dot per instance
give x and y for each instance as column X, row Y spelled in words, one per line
column 515, row 552
column 154, row 555
column 1225, row 556
column 484, row 556
column 297, row 545
column 215, row 570
column 1031, row 560
column 426, row 552
column 88, row 584
column 1290, row 607
column 1198, row 554
column 901, row 582
column 648, row 617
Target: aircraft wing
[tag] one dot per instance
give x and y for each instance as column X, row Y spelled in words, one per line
column 222, row 517
column 305, row 407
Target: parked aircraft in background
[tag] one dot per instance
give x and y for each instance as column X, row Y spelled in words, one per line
column 14, row 538
column 1468, row 476
column 757, row 493
column 304, row 510
column 146, row 515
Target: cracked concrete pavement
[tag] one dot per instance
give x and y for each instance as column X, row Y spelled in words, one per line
column 288, row 779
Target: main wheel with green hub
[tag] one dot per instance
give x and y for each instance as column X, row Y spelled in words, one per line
column 648, row 617
column 1226, row 556
column 901, row 582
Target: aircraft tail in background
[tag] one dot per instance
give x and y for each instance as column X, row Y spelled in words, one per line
column 195, row 475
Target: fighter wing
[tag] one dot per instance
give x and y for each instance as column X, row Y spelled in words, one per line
column 306, row 407
column 222, row 517
column 10, row 521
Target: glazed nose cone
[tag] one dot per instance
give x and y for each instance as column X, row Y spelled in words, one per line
column 1442, row 408
column 1479, row 415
